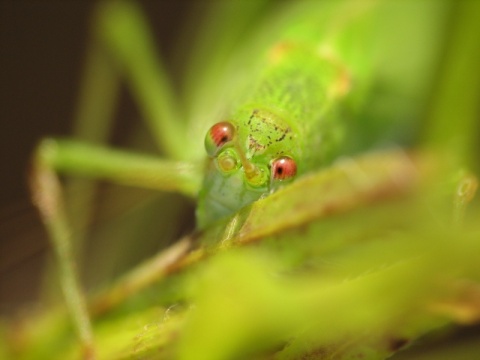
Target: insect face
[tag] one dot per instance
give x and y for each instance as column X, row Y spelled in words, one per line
column 261, row 158
column 251, row 156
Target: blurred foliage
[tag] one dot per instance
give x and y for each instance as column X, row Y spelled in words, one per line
column 368, row 257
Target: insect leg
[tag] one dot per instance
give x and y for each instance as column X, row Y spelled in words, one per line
column 47, row 196
column 121, row 27
column 69, row 156
column 54, row 156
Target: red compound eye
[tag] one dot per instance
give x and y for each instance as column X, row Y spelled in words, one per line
column 218, row 135
column 284, row 168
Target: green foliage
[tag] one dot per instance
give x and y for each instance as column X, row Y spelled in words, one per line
column 353, row 261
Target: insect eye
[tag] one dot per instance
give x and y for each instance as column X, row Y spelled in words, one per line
column 219, row 134
column 283, row 168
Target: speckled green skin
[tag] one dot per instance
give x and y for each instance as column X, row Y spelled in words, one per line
column 287, row 112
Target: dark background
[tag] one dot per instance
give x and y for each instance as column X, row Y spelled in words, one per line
column 42, row 52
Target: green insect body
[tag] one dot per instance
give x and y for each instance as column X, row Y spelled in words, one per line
column 286, row 127
column 307, row 86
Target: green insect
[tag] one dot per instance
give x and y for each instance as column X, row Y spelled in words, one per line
column 302, row 92
column 259, row 148
column 282, row 125
column 286, row 122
